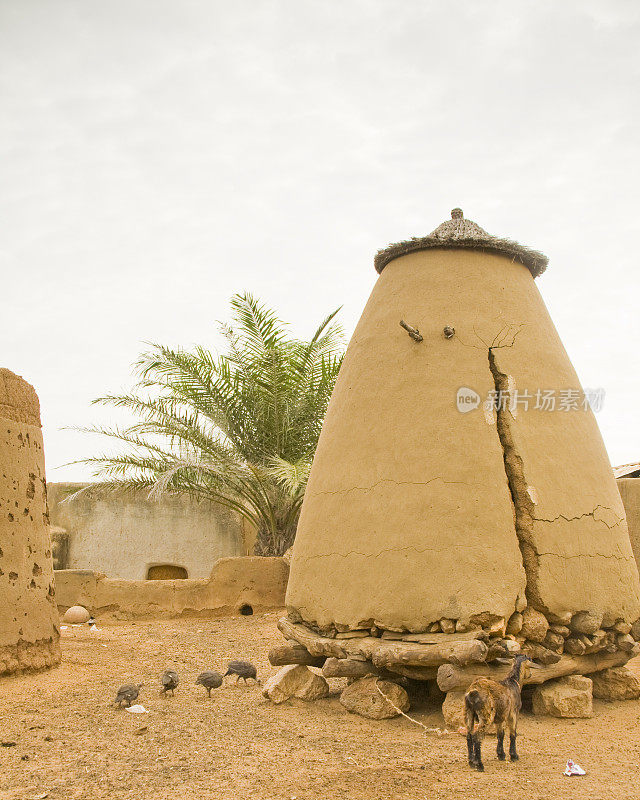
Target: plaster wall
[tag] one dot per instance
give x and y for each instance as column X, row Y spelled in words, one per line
column 409, row 514
column 29, row 633
column 235, row 585
column 630, row 493
column 123, row 535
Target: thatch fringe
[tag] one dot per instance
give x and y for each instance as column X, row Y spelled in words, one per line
column 462, row 233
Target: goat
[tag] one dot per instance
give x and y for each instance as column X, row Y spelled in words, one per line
column 488, row 701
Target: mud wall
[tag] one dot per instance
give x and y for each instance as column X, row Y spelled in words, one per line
column 416, row 512
column 29, row 634
column 630, row 493
column 235, row 585
column 122, row 535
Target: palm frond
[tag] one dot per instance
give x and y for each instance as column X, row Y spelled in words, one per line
column 237, row 429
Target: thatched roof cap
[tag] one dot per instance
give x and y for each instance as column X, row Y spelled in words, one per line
column 461, row 232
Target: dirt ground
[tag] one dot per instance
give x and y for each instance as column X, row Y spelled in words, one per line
column 70, row 742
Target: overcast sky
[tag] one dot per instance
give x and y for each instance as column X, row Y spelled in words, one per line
column 156, row 157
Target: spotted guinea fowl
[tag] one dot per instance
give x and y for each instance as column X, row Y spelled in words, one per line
column 127, row 694
column 242, row 669
column 210, row 680
column 169, row 681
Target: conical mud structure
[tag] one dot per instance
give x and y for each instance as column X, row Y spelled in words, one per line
column 29, row 632
column 461, row 502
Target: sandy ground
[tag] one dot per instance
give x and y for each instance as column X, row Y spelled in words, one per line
column 71, row 743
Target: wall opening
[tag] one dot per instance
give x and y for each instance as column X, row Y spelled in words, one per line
column 246, row 610
column 166, row 572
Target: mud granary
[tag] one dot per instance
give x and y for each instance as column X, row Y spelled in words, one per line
column 29, row 632
column 430, row 523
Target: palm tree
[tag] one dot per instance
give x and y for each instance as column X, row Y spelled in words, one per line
column 238, row 429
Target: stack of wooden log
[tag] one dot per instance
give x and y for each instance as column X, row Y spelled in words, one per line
column 454, row 660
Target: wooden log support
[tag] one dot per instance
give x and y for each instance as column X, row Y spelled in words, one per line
column 387, row 654
column 285, row 654
column 455, row 678
column 407, row 654
column 317, row 645
column 416, row 673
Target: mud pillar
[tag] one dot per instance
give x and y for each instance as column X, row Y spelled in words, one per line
column 29, row 631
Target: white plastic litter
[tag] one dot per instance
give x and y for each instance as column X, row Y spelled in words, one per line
column 63, row 627
column 95, row 629
column 137, row 709
column 573, row 769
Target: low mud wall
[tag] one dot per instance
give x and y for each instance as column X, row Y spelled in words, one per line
column 243, row 585
column 123, row 535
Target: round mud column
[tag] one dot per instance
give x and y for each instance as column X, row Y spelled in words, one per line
column 29, row 632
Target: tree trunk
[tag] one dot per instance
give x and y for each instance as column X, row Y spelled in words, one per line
column 274, row 543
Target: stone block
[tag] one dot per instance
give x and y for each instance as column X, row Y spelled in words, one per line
column 295, row 680
column 362, row 697
column 566, row 697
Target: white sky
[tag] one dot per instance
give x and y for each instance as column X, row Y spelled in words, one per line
column 156, row 157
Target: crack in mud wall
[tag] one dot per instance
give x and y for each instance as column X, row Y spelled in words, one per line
column 523, row 505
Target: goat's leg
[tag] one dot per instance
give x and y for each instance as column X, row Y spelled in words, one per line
column 469, row 719
column 478, row 736
column 512, row 724
column 472, row 758
column 500, row 749
column 477, row 752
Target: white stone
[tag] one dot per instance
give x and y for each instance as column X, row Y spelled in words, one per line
column 76, row 615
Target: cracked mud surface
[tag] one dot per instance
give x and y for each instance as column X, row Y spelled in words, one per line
column 239, row 746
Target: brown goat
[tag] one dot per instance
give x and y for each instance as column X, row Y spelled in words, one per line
column 488, row 701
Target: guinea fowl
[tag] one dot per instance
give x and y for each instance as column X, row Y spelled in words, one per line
column 210, row 680
column 127, row 694
column 169, row 680
column 242, row 669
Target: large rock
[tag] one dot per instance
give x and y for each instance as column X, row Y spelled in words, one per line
column 616, row 683
column 534, row 625
column 295, row 680
column 453, row 710
column 566, row 697
column 362, row 697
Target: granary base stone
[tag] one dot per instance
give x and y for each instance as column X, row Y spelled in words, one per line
column 363, row 697
column 29, row 632
column 618, row 683
column 295, row 680
column 566, row 697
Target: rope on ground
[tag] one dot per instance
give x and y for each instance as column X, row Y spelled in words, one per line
column 437, row 731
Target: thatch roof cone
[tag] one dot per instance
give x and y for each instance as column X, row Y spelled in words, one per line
column 463, row 233
column 417, row 512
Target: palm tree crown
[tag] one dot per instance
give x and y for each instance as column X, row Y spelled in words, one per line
column 238, row 429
